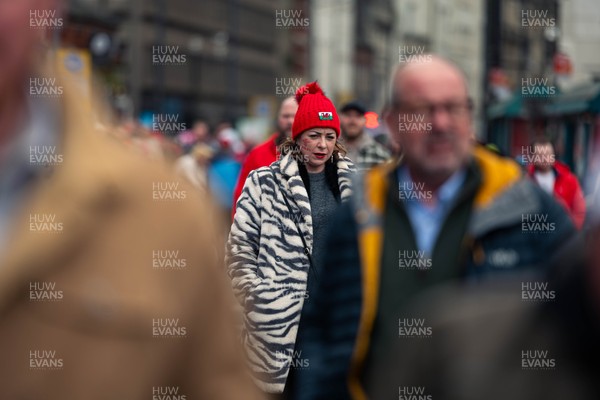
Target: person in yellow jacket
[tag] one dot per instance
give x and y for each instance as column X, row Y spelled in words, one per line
column 449, row 210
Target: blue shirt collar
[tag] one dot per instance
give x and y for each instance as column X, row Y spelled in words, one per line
column 449, row 189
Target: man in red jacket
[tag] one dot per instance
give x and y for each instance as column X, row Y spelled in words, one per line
column 266, row 153
column 557, row 179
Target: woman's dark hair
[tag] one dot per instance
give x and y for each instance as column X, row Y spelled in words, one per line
column 290, row 146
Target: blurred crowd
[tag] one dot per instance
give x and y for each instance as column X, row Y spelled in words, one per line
column 218, row 160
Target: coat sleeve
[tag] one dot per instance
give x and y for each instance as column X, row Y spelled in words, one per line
column 244, row 241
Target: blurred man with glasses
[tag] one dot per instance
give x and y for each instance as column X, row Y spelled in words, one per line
column 449, row 210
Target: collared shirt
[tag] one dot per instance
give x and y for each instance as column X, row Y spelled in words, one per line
column 24, row 157
column 427, row 219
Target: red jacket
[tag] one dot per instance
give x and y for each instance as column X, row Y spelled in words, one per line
column 261, row 156
column 567, row 191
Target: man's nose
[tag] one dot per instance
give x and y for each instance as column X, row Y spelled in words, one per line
column 441, row 120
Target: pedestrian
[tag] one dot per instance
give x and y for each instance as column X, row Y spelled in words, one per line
column 199, row 134
column 266, row 153
column 276, row 244
column 557, row 180
column 363, row 150
column 526, row 337
column 194, row 166
column 449, row 210
column 111, row 285
column 224, row 169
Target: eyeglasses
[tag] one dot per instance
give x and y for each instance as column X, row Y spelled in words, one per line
column 455, row 109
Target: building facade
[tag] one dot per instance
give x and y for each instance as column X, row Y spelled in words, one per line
column 199, row 60
column 449, row 28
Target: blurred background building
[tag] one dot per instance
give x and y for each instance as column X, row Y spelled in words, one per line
column 352, row 48
column 450, row 28
column 232, row 59
column 548, row 42
column 579, row 39
column 229, row 51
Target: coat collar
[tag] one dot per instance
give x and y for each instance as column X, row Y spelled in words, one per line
column 290, row 170
column 292, row 183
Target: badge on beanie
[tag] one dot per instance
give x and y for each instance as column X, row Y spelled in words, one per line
column 325, row 116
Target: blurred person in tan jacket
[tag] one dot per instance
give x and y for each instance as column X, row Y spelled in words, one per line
column 110, row 281
column 194, row 166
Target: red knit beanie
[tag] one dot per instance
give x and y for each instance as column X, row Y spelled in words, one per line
column 314, row 111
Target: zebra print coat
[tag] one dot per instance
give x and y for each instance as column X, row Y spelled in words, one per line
column 268, row 266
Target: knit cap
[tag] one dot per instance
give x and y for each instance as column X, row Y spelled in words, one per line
column 314, row 111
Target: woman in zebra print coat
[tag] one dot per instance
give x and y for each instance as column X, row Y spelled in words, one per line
column 277, row 238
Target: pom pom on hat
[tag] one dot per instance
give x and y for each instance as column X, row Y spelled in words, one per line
column 315, row 110
column 309, row 88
